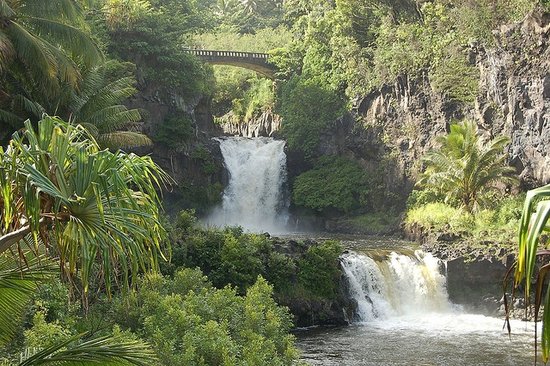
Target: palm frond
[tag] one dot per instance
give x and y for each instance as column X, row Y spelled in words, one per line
column 6, row 48
column 6, row 10
column 32, row 51
column 71, row 38
column 124, row 139
column 24, row 103
column 59, row 9
column 10, row 119
column 97, row 351
column 18, row 281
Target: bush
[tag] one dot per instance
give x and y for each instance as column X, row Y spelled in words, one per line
column 333, row 183
column 440, row 217
column 190, row 323
column 174, row 131
column 319, row 269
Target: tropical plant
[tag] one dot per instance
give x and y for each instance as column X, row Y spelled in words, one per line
column 18, row 282
column 31, row 32
column 464, row 167
column 334, row 183
column 97, row 105
column 87, row 206
column 534, row 225
column 42, row 44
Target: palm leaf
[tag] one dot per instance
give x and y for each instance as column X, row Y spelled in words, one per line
column 59, row 9
column 124, row 139
column 533, row 224
column 17, row 285
column 102, row 350
column 6, row 49
column 32, row 51
column 71, row 38
column 6, row 10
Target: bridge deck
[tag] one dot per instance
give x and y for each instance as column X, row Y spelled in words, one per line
column 255, row 61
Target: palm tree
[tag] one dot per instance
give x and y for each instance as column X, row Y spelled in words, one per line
column 42, row 44
column 464, row 168
column 42, row 35
column 84, row 204
column 97, row 105
column 533, row 227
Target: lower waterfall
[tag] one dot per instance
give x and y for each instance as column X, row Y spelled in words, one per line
column 395, row 285
column 255, row 195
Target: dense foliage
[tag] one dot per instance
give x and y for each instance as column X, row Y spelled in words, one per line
column 333, row 183
column 232, row 257
column 308, row 108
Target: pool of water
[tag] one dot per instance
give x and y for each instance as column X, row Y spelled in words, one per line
column 454, row 339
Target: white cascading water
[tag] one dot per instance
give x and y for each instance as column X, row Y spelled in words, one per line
column 254, row 198
column 398, row 285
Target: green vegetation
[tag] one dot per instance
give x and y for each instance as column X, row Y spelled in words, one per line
column 333, row 183
column 80, row 201
column 175, row 131
column 532, row 246
column 307, row 108
column 231, row 257
column 95, row 213
column 461, row 190
column 83, row 207
column 241, row 91
column 465, row 169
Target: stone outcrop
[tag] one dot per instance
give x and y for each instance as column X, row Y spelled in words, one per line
column 266, row 124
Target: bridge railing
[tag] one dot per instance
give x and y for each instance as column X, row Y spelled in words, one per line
column 237, row 54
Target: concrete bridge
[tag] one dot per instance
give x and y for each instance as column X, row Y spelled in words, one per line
column 255, row 61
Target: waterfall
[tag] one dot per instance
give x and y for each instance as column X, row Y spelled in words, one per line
column 395, row 285
column 255, row 197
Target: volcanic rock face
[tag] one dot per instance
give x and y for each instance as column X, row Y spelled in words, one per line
column 396, row 124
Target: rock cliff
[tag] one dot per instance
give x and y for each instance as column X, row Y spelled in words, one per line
column 396, row 124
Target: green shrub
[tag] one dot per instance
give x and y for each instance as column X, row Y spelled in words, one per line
column 174, row 131
column 190, row 323
column 205, row 158
column 440, row 217
column 333, row 183
column 319, row 269
column 456, row 78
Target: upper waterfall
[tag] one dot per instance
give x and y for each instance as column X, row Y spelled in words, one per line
column 255, row 196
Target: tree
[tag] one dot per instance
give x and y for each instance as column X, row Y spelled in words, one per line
column 84, row 205
column 41, row 45
column 464, row 168
column 98, row 106
column 32, row 32
column 307, row 108
column 533, row 231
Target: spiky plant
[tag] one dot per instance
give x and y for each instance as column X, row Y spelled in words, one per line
column 533, row 248
column 463, row 168
column 87, row 205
